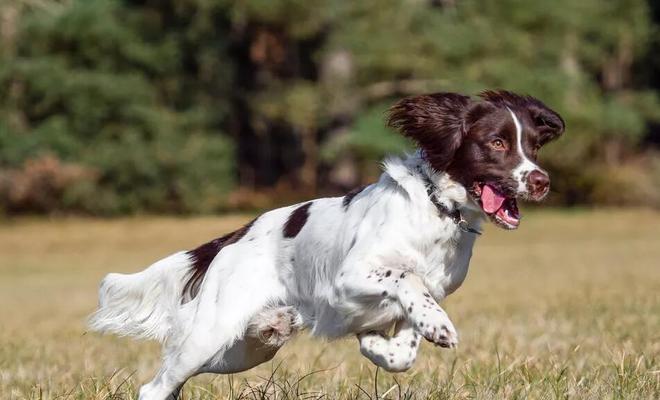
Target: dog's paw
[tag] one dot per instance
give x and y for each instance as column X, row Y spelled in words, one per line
column 274, row 327
column 439, row 331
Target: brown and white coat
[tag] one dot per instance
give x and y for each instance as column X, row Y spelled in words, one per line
column 383, row 256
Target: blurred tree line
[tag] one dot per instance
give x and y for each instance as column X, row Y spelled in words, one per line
column 112, row 107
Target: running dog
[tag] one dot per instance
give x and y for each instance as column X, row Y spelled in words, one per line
column 373, row 263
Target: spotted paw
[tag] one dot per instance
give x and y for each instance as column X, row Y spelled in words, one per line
column 440, row 332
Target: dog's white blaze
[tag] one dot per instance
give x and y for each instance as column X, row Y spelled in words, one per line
column 526, row 165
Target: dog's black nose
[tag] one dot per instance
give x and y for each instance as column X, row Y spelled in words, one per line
column 539, row 183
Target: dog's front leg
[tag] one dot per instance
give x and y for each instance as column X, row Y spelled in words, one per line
column 424, row 313
column 419, row 308
column 395, row 354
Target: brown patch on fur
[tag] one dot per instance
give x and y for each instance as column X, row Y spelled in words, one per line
column 346, row 202
column 296, row 221
column 475, row 163
column 202, row 257
column 435, row 121
column 456, row 134
column 547, row 122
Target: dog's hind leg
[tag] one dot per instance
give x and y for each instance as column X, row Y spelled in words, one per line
column 212, row 336
column 267, row 332
column 275, row 326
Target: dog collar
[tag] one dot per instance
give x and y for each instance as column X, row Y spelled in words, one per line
column 443, row 210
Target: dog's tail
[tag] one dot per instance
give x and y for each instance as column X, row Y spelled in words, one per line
column 143, row 304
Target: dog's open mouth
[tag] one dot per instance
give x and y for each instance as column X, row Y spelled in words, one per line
column 501, row 209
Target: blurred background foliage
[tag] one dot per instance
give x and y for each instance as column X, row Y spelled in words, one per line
column 183, row 106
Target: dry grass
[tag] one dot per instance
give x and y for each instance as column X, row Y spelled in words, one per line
column 566, row 307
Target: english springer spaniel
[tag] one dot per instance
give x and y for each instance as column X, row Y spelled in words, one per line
column 376, row 260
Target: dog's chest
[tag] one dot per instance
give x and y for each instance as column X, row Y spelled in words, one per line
column 446, row 252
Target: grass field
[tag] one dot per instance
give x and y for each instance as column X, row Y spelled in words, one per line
column 568, row 306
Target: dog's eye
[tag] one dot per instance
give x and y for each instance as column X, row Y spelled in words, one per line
column 498, row 144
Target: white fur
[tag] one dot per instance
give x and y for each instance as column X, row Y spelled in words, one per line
column 387, row 259
column 142, row 304
column 395, row 354
column 526, row 166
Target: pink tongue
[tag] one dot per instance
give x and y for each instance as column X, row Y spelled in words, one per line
column 491, row 200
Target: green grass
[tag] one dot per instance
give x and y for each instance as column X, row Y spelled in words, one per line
column 568, row 306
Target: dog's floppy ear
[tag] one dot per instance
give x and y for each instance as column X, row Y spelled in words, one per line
column 436, row 122
column 549, row 123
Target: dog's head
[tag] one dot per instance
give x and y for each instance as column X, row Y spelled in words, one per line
column 488, row 144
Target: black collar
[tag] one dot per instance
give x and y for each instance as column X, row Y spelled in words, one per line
column 443, row 211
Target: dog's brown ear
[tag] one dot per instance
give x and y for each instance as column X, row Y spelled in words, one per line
column 436, row 122
column 549, row 123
